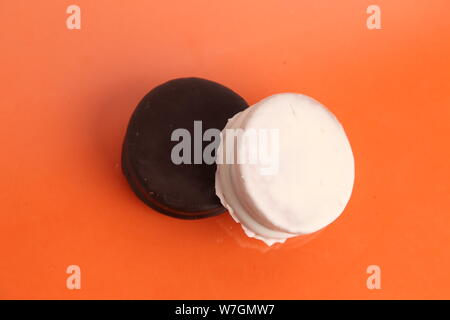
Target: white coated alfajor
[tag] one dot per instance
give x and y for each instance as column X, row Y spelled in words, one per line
column 314, row 174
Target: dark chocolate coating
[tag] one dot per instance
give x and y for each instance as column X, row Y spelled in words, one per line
column 187, row 190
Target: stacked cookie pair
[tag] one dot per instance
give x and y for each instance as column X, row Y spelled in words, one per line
column 282, row 167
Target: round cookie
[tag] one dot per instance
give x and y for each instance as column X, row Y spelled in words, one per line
column 185, row 190
column 306, row 182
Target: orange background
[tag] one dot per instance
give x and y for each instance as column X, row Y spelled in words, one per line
column 66, row 98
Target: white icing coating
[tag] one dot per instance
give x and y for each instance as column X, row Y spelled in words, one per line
column 315, row 173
